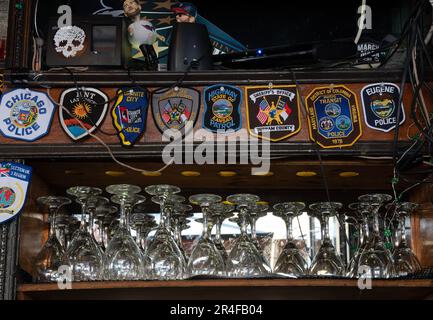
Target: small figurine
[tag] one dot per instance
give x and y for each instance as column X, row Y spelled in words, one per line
column 185, row 12
column 141, row 31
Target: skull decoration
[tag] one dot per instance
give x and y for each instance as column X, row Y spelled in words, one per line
column 69, row 41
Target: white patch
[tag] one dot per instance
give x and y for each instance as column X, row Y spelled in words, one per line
column 69, row 41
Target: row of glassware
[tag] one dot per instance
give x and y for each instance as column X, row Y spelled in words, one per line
column 103, row 246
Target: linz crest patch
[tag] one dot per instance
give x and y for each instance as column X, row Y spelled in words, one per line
column 25, row 114
column 380, row 105
column 273, row 113
column 14, row 183
column 87, row 106
column 222, row 108
column 333, row 117
column 129, row 115
column 174, row 108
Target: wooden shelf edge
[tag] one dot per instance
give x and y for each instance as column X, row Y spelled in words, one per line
column 226, row 283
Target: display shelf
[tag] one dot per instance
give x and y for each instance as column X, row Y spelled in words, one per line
column 233, row 289
column 62, row 78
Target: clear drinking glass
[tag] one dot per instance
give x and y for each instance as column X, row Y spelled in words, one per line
column 327, row 261
column 291, row 262
column 83, row 253
column 98, row 229
column 49, row 259
column 362, row 216
column 405, row 260
column 142, row 223
column 218, row 213
column 179, row 223
column 256, row 212
column 166, row 259
column 245, row 260
column 205, row 257
column 124, row 259
column 375, row 260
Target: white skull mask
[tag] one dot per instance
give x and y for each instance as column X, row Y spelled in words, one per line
column 69, row 41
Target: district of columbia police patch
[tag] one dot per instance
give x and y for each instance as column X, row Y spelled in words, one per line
column 333, row 117
column 130, row 114
column 14, row 184
column 25, row 114
column 222, row 108
column 273, row 112
column 380, row 106
column 174, row 108
column 86, row 107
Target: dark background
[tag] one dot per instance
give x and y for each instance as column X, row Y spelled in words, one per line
column 273, row 22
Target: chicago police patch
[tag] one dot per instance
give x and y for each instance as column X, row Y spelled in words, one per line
column 380, row 105
column 174, row 108
column 222, row 108
column 14, row 183
column 273, row 113
column 130, row 114
column 87, row 107
column 333, row 116
column 25, row 114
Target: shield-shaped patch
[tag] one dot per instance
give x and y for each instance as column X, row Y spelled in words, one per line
column 14, row 183
column 379, row 102
column 273, row 112
column 129, row 114
column 86, row 107
column 333, row 116
column 222, row 108
column 174, row 108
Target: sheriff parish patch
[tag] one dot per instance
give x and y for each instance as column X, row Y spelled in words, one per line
column 222, row 108
column 333, row 117
column 174, row 108
column 380, row 106
column 273, row 113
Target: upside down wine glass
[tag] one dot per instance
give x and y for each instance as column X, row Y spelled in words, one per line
column 205, row 258
column 166, row 258
column 84, row 254
column 405, row 260
column 291, row 262
column 375, row 260
column 124, row 259
column 179, row 222
column 219, row 212
column 326, row 262
column 245, row 260
column 49, row 259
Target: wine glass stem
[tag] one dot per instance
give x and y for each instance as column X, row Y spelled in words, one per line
column 289, row 223
column 205, row 232
column 324, row 222
column 402, row 229
column 253, row 228
column 365, row 230
column 52, row 216
column 376, row 229
column 218, row 224
column 243, row 224
column 83, row 214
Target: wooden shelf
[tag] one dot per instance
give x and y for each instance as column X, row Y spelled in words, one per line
column 227, row 289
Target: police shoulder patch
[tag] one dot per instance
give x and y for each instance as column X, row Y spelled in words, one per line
column 333, row 117
column 174, row 108
column 25, row 114
column 14, row 183
column 130, row 114
column 380, row 106
column 273, row 112
column 85, row 107
column 222, row 108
